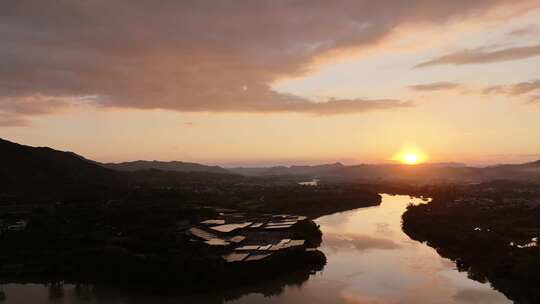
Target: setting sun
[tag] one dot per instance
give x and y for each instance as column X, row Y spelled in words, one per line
column 410, row 159
column 410, row 156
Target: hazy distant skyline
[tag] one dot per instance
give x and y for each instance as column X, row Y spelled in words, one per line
column 273, row 82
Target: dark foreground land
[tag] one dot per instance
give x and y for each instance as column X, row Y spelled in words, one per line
column 66, row 218
column 151, row 237
column 489, row 230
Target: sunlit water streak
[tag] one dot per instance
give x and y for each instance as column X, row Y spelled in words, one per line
column 370, row 260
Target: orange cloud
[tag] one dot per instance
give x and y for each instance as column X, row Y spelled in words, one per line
column 516, row 89
column 512, row 90
column 481, row 56
column 534, row 100
column 16, row 109
column 11, row 120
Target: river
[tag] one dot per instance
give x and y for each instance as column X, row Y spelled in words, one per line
column 370, row 260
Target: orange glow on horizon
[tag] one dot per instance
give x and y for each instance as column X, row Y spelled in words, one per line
column 410, row 159
column 410, row 156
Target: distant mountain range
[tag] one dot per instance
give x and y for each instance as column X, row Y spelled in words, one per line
column 176, row 166
column 424, row 173
column 536, row 163
column 40, row 172
column 292, row 170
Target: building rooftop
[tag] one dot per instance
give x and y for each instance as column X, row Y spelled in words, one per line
column 213, row 222
column 235, row 257
column 248, row 247
column 230, row 227
column 202, row 234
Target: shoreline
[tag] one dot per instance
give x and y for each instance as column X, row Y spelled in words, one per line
column 486, row 234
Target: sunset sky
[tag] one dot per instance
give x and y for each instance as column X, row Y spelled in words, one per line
column 273, row 82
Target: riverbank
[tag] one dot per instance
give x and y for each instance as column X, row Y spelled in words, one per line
column 489, row 232
column 366, row 250
column 310, row 201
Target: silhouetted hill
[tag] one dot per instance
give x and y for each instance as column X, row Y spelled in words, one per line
column 424, row 173
column 176, row 166
column 536, row 163
column 159, row 178
column 428, row 173
column 43, row 172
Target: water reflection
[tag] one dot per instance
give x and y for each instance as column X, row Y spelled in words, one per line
column 76, row 294
column 343, row 241
column 370, row 260
column 407, row 272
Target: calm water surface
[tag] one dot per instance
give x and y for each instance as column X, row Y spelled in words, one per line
column 370, row 260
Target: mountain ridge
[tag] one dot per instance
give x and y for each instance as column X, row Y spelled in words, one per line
column 176, row 166
column 287, row 170
column 46, row 172
column 43, row 173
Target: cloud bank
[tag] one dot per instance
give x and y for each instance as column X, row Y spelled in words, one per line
column 212, row 56
column 527, row 89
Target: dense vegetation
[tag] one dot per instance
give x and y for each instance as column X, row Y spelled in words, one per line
column 126, row 242
column 87, row 223
column 483, row 232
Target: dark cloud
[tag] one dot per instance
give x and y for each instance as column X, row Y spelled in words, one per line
column 436, row 86
column 215, row 56
column 524, row 87
column 482, row 56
